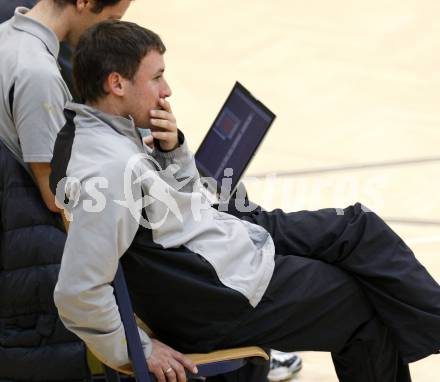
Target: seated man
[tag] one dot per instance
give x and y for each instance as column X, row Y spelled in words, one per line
column 331, row 280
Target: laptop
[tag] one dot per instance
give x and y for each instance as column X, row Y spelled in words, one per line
column 232, row 141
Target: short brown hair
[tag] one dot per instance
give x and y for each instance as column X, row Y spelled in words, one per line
column 99, row 4
column 107, row 47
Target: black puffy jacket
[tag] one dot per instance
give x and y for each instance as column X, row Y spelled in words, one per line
column 34, row 345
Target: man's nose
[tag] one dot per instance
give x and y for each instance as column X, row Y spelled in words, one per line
column 166, row 91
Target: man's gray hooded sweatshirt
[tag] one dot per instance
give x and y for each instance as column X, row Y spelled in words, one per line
column 110, row 170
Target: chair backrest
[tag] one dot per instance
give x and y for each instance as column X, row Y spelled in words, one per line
column 135, row 351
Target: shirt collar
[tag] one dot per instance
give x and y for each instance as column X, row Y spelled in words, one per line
column 122, row 125
column 37, row 29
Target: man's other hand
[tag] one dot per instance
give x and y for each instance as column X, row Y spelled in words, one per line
column 169, row 365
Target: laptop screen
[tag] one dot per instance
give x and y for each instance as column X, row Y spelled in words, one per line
column 234, row 137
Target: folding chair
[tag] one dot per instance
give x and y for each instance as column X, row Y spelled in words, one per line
column 209, row 364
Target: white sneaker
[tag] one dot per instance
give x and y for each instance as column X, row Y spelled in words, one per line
column 283, row 365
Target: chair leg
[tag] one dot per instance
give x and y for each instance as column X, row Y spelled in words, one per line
column 111, row 375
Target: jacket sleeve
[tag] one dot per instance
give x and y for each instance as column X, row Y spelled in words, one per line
column 101, row 230
column 178, row 167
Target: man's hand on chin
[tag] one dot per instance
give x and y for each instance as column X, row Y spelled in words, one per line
column 164, row 128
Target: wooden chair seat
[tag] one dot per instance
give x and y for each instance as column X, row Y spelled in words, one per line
column 228, row 354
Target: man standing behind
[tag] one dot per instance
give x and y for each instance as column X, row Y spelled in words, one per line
column 7, row 9
column 32, row 90
column 33, row 95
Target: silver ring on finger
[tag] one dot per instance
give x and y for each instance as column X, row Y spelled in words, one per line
column 169, row 370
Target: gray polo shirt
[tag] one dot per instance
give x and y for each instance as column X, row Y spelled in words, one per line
column 30, row 76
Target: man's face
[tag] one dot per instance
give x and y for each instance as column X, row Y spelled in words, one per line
column 86, row 18
column 147, row 87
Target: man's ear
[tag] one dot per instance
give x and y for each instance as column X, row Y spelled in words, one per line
column 115, row 84
column 81, row 5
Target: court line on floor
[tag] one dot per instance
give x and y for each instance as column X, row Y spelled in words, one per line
column 361, row 166
column 423, row 240
column 409, row 221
